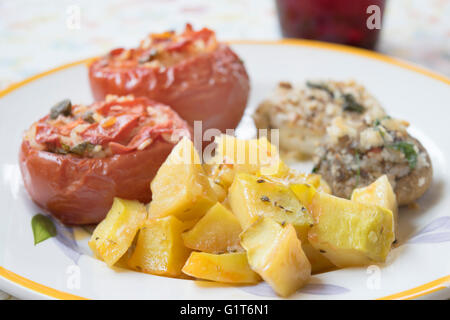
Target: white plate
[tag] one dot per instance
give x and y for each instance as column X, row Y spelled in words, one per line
column 63, row 267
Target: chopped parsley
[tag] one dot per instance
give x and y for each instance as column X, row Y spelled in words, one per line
column 65, row 149
column 63, row 107
column 351, row 105
column 408, row 150
column 81, row 148
column 320, row 86
column 377, row 122
column 88, row 117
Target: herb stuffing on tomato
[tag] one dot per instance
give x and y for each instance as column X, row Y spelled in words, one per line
column 76, row 159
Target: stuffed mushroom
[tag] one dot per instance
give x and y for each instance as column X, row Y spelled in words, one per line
column 356, row 153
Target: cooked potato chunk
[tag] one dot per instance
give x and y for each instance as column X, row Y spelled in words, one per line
column 159, row 248
column 256, row 156
column 220, row 173
column 218, row 189
column 276, row 254
column 114, row 235
column 189, row 224
column 181, row 188
column 294, row 177
column 217, row 232
column 251, row 196
column 227, row 267
column 380, row 192
column 319, row 263
column 348, row 233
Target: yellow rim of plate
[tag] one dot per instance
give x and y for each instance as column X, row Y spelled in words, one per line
column 413, row 293
column 37, row 287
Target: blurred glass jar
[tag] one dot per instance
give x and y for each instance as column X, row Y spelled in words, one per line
column 341, row 21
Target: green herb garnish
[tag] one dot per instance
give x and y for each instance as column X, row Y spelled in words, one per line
column 61, row 108
column 43, row 228
column 377, row 122
column 350, row 104
column 65, row 149
column 88, row 117
column 376, row 125
column 81, row 148
column 320, row 86
column 408, row 150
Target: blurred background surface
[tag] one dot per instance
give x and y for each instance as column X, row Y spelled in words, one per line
column 39, row 35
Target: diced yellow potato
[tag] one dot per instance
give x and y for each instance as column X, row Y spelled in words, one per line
column 312, row 179
column 379, row 192
column 317, row 182
column 189, row 224
column 226, row 203
column 293, row 177
column 123, row 261
column 348, row 233
column 319, row 263
column 220, row 173
column 304, row 192
column 160, row 249
column 220, row 191
column 216, row 232
column 114, row 235
column 227, row 267
column 251, row 196
column 277, row 169
column 181, row 187
column 255, row 156
column 276, row 254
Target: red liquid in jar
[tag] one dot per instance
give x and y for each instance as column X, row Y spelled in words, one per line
column 339, row 21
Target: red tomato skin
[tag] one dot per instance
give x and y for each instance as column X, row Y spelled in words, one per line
column 212, row 87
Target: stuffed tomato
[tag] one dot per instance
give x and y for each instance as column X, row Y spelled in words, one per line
column 199, row 77
column 76, row 159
